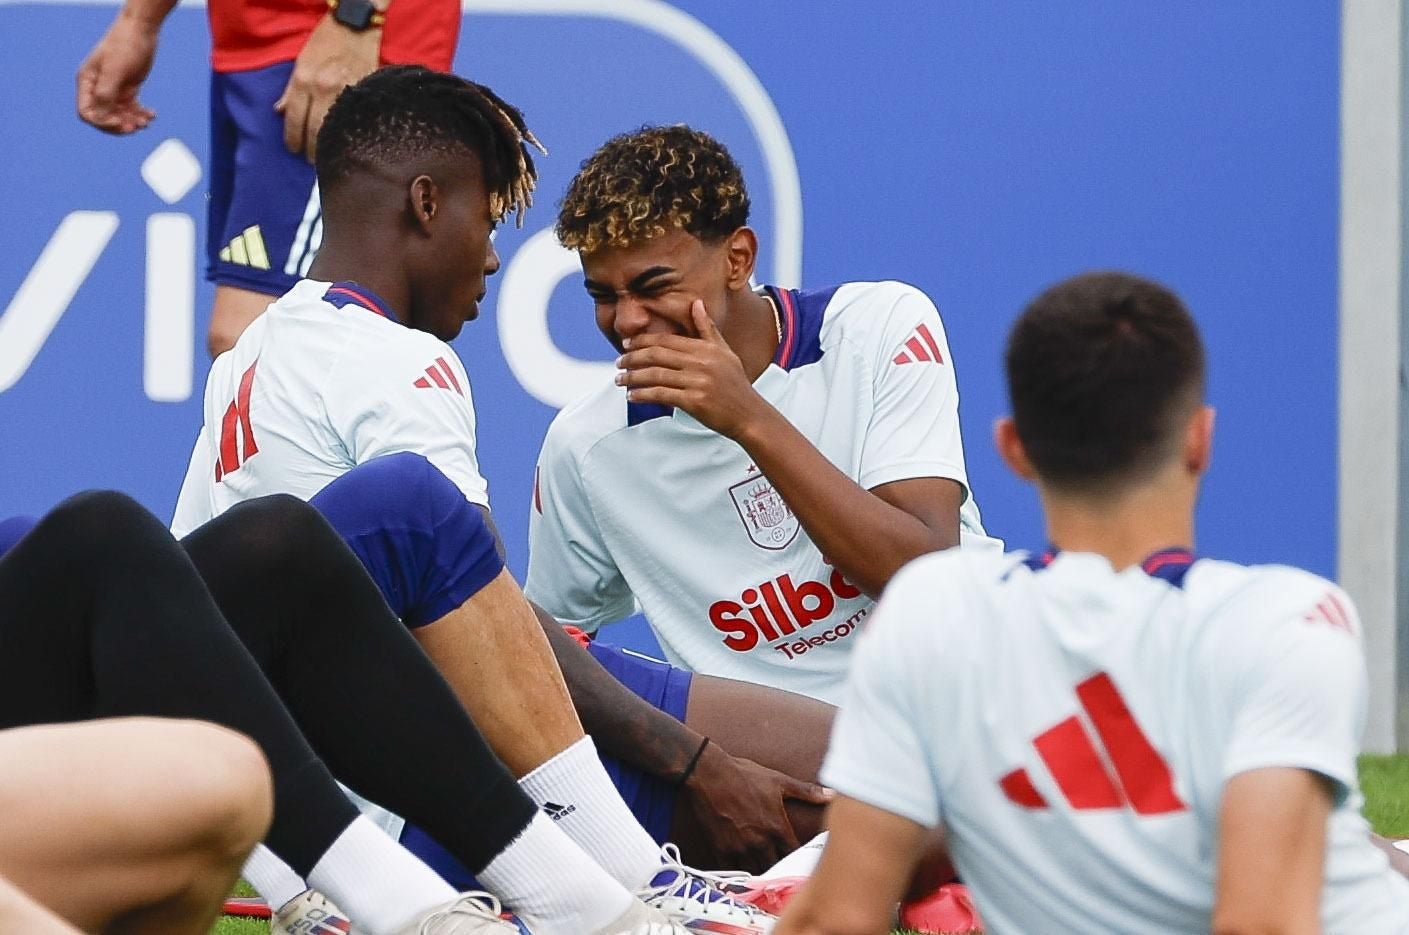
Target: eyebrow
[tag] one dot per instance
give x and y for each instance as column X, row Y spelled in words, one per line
column 637, row 281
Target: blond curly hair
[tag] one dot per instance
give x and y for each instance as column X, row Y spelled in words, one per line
column 640, row 185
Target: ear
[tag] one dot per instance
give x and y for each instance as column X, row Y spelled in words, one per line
column 1011, row 450
column 1198, row 440
column 423, row 202
column 741, row 253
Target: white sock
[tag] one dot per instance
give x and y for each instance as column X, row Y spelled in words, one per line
column 800, row 863
column 574, row 790
column 272, row 878
column 377, row 882
column 546, row 877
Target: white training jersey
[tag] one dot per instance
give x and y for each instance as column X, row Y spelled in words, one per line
column 1073, row 728
column 324, row 380
column 638, row 504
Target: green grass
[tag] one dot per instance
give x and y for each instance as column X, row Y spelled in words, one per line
column 1384, row 779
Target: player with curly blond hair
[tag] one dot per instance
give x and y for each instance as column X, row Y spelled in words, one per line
column 768, row 457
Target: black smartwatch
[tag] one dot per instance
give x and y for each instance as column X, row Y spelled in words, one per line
column 356, row 15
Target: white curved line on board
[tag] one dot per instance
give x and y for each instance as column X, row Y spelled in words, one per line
column 711, row 51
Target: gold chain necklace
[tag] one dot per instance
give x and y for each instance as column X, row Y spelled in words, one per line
column 777, row 316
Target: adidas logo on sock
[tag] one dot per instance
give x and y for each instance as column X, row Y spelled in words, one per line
column 558, row 812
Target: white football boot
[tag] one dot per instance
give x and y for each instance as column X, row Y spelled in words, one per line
column 472, row 913
column 695, row 899
column 310, row 913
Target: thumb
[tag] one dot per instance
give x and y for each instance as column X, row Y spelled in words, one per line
column 808, row 791
column 704, row 325
column 106, row 83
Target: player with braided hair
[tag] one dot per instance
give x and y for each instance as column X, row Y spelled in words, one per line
column 416, row 168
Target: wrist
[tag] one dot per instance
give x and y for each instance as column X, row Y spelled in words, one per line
column 757, row 424
column 710, row 760
column 147, row 21
column 362, row 17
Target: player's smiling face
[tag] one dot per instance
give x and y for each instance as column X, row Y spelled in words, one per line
column 647, row 288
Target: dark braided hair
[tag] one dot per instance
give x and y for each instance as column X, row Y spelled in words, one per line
column 640, row 185
column 404, row 111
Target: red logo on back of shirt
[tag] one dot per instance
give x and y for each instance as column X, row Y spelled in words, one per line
column 237, row 418
column 1142, row 780
column 439, row 374
column 920, row 347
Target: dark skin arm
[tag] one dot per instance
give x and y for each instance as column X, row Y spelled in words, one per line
column 738, row 802
column 867, row 534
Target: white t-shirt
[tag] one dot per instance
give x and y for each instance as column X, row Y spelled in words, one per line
column 1073, row 729
column 324, row 380
column 642, row 504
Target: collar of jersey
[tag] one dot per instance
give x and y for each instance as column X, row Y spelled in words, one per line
column 798, row 343
column 345, row 293
column 1170, row 564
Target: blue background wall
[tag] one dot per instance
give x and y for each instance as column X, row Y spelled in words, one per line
column 978, row 150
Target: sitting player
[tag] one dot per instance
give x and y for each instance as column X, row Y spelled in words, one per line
column 1173, row 748
column 793, row 448
column 415, row 168
column 102, row 615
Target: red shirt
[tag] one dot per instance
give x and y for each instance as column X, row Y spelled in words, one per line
column 249, row 34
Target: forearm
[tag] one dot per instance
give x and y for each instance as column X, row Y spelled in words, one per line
column 149, row 13
column 867, row 539
column 621, row 723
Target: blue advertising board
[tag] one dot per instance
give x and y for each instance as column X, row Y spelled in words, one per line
column 977, row 150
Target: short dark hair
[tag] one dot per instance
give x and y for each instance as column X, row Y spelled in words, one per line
column 640, row 185
column 1103, row 370
column 405, row 111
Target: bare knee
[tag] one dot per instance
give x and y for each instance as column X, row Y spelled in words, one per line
column 230, row 797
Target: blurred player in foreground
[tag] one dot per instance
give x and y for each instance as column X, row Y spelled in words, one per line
column 103, row 615
column 769, row 456
column 276, row 68
column 1116, row 735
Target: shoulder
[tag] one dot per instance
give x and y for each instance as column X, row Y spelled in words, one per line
column 1262, row 592
column 581, row 424
column 866, row 313
column 953, row 573
column 1250, row 618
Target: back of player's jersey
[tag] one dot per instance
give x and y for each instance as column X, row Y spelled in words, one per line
column 325, row 380
column 1074, row 728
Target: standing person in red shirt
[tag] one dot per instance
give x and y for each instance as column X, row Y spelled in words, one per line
column 276, row 68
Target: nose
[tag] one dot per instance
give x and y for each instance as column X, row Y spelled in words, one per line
column 491, row 260
column 631, row 317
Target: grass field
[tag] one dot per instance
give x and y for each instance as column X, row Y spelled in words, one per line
column 1385, row 780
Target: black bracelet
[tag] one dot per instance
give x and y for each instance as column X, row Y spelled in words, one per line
column 694, row 761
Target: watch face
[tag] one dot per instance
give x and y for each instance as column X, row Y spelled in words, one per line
column 354, row 13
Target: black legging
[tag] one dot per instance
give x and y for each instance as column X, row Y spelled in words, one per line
column 102, row 614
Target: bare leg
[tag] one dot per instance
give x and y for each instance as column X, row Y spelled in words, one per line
column 495, row 656
column 232, row 313
column 778, row 729
column 130, row 825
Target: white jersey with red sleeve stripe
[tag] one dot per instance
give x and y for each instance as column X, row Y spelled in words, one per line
column 1073, row 728
column 642, row 505
column 324, row 380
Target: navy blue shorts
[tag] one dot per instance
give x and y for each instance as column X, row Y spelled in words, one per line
column 263, row 221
